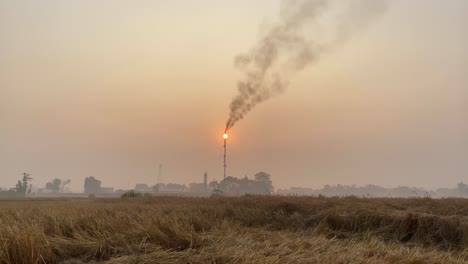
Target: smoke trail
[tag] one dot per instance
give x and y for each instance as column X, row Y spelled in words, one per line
column 264, row 76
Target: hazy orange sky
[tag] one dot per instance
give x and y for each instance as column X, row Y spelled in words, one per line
column 113, row 88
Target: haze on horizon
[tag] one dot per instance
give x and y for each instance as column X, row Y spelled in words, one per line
column 112, row 89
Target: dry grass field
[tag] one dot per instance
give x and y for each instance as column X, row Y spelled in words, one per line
column 246, row 229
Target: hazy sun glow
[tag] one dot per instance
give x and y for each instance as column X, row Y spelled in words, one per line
column 225, row 136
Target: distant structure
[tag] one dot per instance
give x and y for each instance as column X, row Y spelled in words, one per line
column 107, row 189
column 225, row 137
column 199, row 188
column 205, row 181
column 172, row 188
column 142, row 187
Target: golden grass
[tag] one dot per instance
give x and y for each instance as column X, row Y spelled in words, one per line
column 247, row 229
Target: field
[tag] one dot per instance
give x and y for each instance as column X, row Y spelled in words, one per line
column 248, row 229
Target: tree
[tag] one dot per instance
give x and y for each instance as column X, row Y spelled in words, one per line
column 23, row 187
column 264, row 182
column 64, row 183
column 234, row 186
column 92, row 185
column 213, row 185
column 230, row 185
column 54, row 185
column 262, row 176
column 131, row 194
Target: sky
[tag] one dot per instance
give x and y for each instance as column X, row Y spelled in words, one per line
column 112, row 89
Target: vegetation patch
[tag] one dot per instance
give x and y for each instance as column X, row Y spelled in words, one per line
column 249, row 229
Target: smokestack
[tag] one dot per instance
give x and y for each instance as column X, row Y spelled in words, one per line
column 224, row 177
column 205, row 180
column 225, row 136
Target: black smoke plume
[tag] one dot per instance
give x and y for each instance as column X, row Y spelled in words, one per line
column 286, row 48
